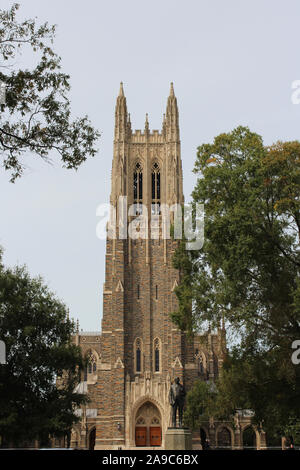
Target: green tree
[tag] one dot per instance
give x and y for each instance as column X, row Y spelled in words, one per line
column 199, row 404
column 248, row 269
column 36, row 329
column 36, row 115
column 252, row 381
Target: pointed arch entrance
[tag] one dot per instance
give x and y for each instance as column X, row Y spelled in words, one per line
column 224, row 438
column 92, row 439
column 249, row 438
column 203, row 438
column 148, row 426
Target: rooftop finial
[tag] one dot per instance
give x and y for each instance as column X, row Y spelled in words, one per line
column 121, row 92
column 147, row 123
column 164, row 124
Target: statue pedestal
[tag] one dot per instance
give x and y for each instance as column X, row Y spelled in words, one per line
column 178, row 439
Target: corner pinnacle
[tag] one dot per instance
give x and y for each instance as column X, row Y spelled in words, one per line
column 172, row 90
column 121, row 92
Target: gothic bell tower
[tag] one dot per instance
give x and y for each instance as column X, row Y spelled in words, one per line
column 141, row 349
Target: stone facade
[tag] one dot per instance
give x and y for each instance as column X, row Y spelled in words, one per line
column 140, row 351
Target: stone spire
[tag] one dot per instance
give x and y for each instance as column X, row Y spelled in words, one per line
column 121, row 92
column 172, row 89
column 164, row 125
column 129, row 131
column 172, row 120
column 121, row 118
column 146, row 124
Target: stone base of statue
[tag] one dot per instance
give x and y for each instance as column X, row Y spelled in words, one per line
column 178, row 439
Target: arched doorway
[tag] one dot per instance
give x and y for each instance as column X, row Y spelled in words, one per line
column 92, row 439
column 224, row 438
column 249, row 438
column 148, row 426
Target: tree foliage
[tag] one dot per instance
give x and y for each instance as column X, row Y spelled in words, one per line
column 37, row 332
column 36, row 116
column 248, row 269
column 252, row 381
column 199, row 404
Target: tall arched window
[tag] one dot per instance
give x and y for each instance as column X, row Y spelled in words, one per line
column 157, row 355
column 91, row 368
column 138, row 355
column 201, row 362
column 155, row 183
column 138, row 188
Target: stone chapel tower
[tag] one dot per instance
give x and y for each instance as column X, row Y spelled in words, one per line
column 140, row 350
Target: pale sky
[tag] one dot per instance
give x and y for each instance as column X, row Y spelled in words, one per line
column 232, row 63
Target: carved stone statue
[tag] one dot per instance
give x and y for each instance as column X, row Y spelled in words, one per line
column 176, row 399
